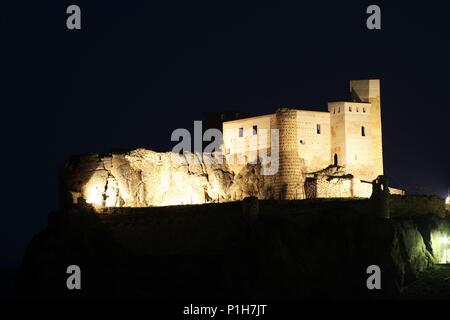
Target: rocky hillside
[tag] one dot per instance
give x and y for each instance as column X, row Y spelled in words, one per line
column 249, row 249
column 143, row 178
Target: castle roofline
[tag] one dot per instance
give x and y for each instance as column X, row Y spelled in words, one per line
column 273, row 114
column 311, row 111
column 352, row 102
column 300, row 109
column 365, row 79
column 253, row 117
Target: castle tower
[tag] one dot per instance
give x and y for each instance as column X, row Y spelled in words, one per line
column 289, row 180
column 368, row 91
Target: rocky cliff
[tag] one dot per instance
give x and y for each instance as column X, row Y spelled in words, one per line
column 249, row 249
column 144, row 178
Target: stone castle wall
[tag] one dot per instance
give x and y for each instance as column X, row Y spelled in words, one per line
column 368, row 91
column 290, row 179
column 349, row 135
column 313, row 142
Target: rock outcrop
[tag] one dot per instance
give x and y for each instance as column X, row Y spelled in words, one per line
column 144, row 178
column 249, row 249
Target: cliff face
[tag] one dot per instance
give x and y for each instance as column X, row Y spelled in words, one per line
column 265, row 249
column 143, row 178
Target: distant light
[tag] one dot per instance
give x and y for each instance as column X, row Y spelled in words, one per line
column 444, row 240
column 447, row 200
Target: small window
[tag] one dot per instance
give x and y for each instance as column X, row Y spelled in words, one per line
column 350, row 109
column 255, row 130
column 334, row 110
column 364, row 109
column 357, row 109
column 318, row 128
column 241, row 132
column 363, row 131
column 339, row 110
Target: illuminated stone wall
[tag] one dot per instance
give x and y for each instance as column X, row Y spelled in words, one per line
column 289, row 179
column 368, row 91
column 353, row 149
column 313, row 139
column 336, row 182
column 243, row 149
column 341, row 134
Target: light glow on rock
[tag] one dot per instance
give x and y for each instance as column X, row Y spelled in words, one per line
column 93, row 194
column 445, row 250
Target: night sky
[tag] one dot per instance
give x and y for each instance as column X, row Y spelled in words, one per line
column 137, row 71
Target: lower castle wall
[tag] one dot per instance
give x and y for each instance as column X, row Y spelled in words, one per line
column 337, row 188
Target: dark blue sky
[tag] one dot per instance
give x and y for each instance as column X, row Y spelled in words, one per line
column 136, row 71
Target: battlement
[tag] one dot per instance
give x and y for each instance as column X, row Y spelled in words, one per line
column 337, row 107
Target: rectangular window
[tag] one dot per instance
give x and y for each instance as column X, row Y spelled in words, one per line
column 318, row 128
column 350, row 109
column 241, row 132
column 363, row 131
column 255, row 130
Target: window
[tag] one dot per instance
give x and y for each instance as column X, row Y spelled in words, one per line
column 364, row 109
column 318, row 128
column 357, row 109
column 335, row 159
column 350, row 109
column 241, row 132
column 334, row 110
column 339, row 110
column 255, row 130
column 363, row 131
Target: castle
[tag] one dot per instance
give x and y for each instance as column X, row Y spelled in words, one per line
column 331, row 154
column 347, row 136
